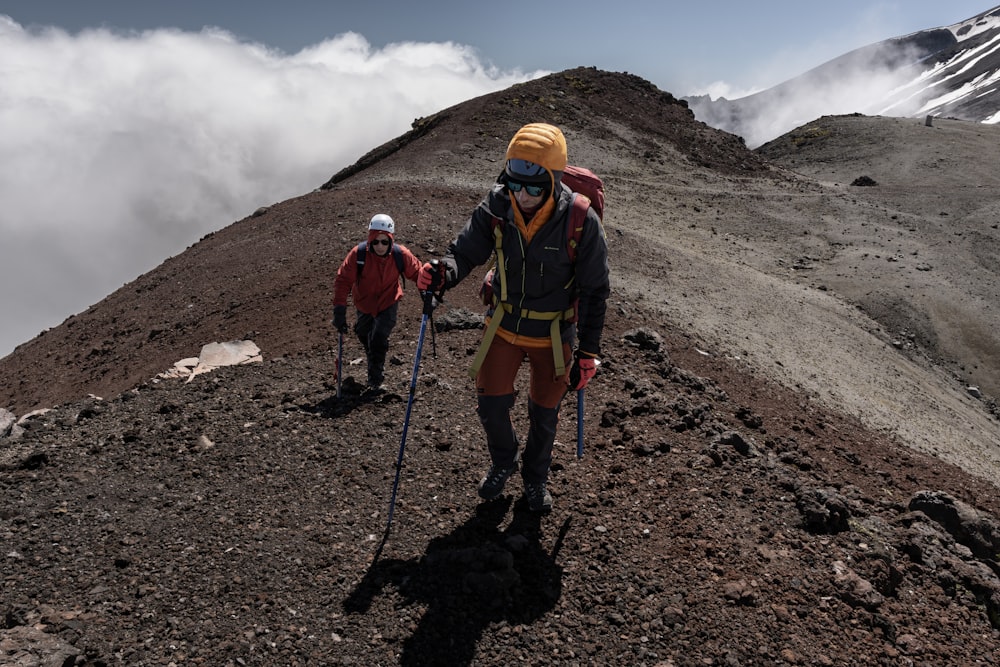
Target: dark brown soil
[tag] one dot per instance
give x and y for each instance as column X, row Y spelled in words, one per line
column 727, row 510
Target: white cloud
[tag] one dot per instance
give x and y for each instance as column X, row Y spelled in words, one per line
column 722, row 89
column 860, row 91
column 123, row 149
column 868, row 80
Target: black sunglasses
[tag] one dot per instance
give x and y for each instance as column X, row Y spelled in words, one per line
column 381, row 242
column 532, row 190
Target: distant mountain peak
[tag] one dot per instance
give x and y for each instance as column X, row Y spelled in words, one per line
column 950, row 71
column 969, row 28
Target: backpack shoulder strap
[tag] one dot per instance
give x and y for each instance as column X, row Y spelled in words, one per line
column 577, row 218
column 397, row 254
column 362, row 248
column 498, row 256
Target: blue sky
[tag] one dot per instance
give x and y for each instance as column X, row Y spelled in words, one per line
column 131, row 129
column 680, row 47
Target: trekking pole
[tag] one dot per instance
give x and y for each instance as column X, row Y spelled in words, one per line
column 340, row 356
column 579, row 423
column 429, row 303
column 579, row 419
column 434, row 345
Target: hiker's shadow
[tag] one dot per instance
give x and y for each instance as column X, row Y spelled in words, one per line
column 353, row 395
column 468, row 579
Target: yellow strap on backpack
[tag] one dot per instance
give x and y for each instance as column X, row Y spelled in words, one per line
column 498, row 238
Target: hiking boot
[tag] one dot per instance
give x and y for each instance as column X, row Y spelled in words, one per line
column 374, row 391
column 492, row 485
column 538, row 497
column 376, row 381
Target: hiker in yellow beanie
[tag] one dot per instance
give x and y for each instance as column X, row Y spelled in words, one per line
column 546, row 300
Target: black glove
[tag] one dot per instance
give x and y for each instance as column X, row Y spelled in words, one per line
column 431, row 277
column 340, row 318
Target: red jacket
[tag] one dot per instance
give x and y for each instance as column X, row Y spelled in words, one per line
column 379, row 286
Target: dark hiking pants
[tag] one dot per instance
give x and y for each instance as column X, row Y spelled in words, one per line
column 373, row 331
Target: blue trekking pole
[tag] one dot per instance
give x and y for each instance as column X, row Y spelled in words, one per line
column 579, row 423
column 340, row 356
column 429, row 303
column 579, row 418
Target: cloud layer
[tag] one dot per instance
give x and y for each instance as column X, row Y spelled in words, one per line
column 121, row 150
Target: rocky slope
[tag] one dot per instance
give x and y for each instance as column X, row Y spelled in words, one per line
column 757, row 486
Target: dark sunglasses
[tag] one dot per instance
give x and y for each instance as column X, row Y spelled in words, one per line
column 532, row 190
column 381, row 242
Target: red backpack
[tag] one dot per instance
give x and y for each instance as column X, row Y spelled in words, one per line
column 585, row 182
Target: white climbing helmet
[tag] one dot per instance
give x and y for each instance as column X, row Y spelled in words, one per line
column 382, row 223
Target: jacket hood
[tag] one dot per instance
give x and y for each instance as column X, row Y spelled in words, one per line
column 541, row 144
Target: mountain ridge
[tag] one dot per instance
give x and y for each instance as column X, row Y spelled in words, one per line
column 473, row 153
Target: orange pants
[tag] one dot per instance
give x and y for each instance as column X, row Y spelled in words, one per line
column 503, row 360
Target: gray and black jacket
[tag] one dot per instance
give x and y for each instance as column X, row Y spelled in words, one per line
column 541, row 276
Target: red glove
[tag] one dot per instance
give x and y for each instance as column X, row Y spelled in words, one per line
column 584, row 369
column 431, row 277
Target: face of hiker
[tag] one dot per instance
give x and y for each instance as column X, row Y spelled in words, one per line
column 529, row 194
column 380, row 244
column 527, row 202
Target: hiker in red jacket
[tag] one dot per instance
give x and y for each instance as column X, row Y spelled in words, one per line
column 532, row 314
column 370, row 274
